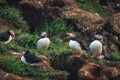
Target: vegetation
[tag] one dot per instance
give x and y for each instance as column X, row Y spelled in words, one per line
column 8, row 63
column 14, row 16
column 92, row 6
column 57, row 25
column 26, row 41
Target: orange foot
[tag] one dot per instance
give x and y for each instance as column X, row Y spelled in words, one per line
column 77, row 56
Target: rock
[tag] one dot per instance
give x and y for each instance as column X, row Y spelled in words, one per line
column 3, row 2
column 35, row 3
column 82, row 20
column 114, row 5
column 44, row 66
column 5, row 24
column 58, row 3
column 114, row 47
column 89, row 71
column 81, row 69
column 109, row 73
column 73, row 65
column 113, row 24
column 95, row 72
column 8, row 76
column 116, row 26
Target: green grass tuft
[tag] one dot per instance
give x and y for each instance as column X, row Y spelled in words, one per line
column 14, row 16
column 57, row 28
column 92, row 6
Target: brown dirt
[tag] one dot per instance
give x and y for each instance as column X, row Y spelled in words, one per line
column 4, row 24
column 44, row 66
column 8, row 76
column 81, row 69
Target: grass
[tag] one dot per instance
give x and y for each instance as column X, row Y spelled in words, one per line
column 25, row 41
column 92, row 6
column 8, row 63
column 56, row 32
column 14, row 16
column 57, row 28
column 116, row 55
column 57, row 48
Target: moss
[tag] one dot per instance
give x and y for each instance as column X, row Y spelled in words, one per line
column 92, row 6
column 8, row 63
column 14, row 16
column 56, row 26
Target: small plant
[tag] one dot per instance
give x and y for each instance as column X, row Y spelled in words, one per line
column 56, row 28
column 92, row 6
column 15, row 47
column 14, row 16
column 8, row 63
column 3, row 48
column 116, row 55
column 27, row 41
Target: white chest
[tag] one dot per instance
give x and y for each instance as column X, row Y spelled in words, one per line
column 24, row 61
column 44, row 42
column 74, row 44
column 96, row 46
column 10, row 38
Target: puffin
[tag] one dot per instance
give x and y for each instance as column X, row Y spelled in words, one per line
column 7, row 36
column 96, row 48
column 43, row 42
column 30, row 59
column 76, row 44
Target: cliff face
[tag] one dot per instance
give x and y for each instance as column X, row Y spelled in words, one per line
column 84, row 23
column 82, row 20
column 8, row 76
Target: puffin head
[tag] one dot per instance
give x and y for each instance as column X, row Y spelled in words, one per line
column 43, row 34
column 12, row 33
column 99, row 37
column 70, row 35
column 26, row 53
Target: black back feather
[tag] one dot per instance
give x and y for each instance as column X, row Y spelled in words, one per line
column 31, row 58
column 83, row 45
column 4, row 36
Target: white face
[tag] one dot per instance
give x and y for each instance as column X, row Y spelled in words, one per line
column 12, row 33
column 99, row 37
column 44, row 34
column 71, row 35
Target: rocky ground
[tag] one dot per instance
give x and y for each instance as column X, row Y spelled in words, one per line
column 85, row 24
column 8, row 76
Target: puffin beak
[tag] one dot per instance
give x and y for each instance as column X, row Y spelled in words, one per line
column 101, row 39
column 68, row 35
column 45, row 35
column 14, row 36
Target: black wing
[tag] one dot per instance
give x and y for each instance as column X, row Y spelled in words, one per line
column 40, row 38
column 111, row 58
column 32, row 58
column 4, row 36
column 83, row 44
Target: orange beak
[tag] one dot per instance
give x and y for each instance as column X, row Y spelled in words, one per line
column 101, row 39
column 14, row 36
column 68, row 35
column 45, row 35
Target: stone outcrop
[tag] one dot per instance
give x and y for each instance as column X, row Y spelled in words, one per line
column 81, row 69
column 5, row 24
column 44, row 66
column 8, row 76
column 82, row 20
